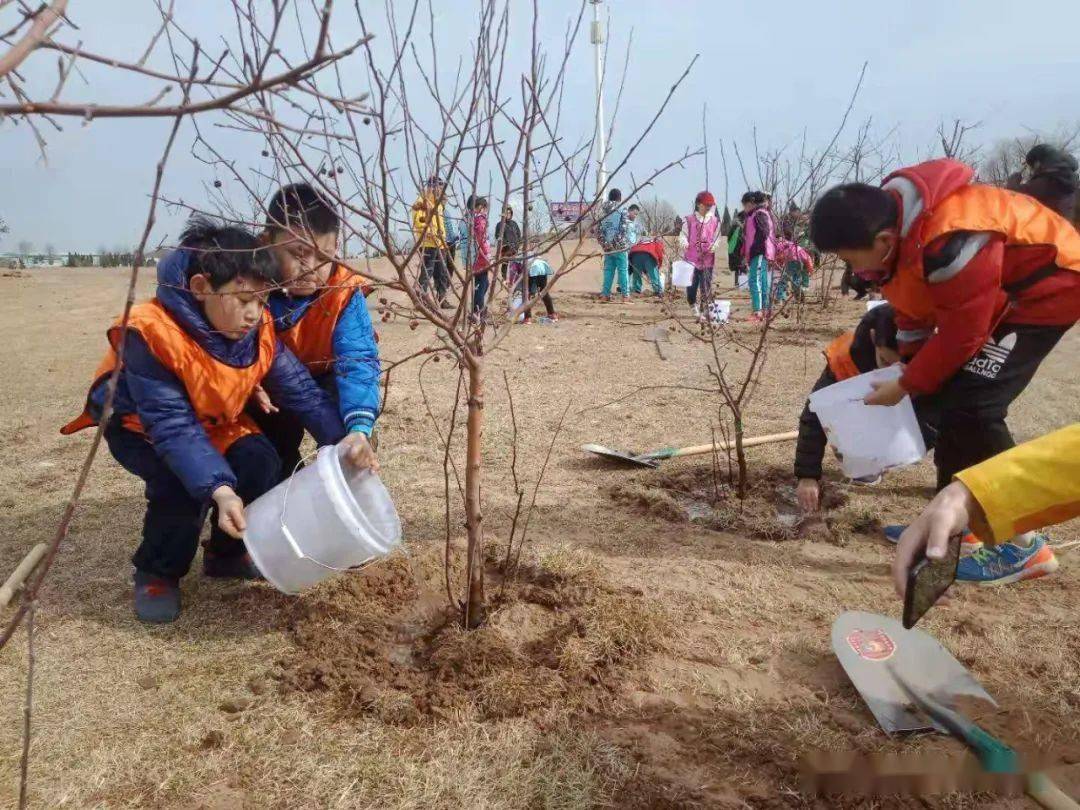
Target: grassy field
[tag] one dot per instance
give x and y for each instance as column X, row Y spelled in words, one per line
column 641, row 660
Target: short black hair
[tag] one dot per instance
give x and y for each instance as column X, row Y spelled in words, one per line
column 634, row 207
column 748, row 197
column 882, row 319
column 223, row 253
column 851, row 215
column 614, row 195
column 299, row 206
column 474, row 202
column 508, row 208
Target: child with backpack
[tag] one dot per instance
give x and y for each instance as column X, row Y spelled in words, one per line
column 613, row 234
column 796, row 265
column 759, row 249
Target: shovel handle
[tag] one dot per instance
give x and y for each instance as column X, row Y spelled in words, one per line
column 21, row 572
column 702, row 449
column 1047, row 794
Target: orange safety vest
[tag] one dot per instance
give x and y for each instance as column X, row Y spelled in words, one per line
column 217, row 391
column 838, row 355
column 311, row 338
column 1017, row 217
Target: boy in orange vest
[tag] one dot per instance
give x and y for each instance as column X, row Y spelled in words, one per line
column 986, row 281
column 193, row 357
column 321, row 315
column 871, row 345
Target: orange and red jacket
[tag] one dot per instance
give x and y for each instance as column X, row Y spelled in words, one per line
column 972, row 257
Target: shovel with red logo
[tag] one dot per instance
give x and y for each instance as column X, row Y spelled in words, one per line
column 868, row 645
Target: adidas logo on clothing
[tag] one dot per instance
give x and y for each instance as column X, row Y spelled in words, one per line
column 991, row 357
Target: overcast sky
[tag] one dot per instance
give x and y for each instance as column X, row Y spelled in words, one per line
column 782, row 67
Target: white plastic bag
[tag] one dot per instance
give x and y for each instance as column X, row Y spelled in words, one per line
column 869, row 439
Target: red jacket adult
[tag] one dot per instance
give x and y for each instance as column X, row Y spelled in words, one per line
column 972, row 257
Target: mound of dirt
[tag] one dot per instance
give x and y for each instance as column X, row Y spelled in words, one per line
column 387, row 642
column 705, row 497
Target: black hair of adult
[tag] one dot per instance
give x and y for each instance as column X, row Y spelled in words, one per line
column 224, row 253
column 759, row 197
column 614, row 195
column 479, row 202
column 748, row 197
column 849, row 216
column 300, row 207
column 634, row 207
column 508, row 210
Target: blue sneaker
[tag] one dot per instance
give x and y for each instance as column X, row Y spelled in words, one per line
column 969, row 544
column 1008, row 562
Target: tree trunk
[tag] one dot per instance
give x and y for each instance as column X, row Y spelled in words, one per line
column 740, row 455
column 475, row 607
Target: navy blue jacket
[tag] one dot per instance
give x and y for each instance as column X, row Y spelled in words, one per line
column 354, row 381
column 158, row 397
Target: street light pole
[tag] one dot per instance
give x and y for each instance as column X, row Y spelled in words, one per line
column 600, row 141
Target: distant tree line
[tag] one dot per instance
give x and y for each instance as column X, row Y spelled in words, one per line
column 101, row 260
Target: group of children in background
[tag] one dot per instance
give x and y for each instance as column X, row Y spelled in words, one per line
column 466, row 239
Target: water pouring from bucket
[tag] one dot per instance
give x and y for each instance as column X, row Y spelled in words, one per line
column 328, row 517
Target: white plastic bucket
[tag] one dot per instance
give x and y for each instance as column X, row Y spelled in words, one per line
column 682, row 273
column 326, row 518
column 869, row 439
column 720, row 311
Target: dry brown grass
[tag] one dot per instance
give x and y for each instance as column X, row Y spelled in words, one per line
column 710, row 649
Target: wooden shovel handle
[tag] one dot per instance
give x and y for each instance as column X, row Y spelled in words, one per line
column 702, row 449
column 21, row 572
column 1047, row 794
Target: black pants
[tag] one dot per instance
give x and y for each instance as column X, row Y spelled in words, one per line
column 536, row 284
column 975, row 401
column 433, row 269
column 174, row 518
column 285, row 433
column 735, row 263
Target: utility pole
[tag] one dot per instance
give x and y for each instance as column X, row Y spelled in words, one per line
column 600, row 141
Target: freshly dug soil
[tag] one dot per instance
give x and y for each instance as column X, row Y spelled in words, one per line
column 386, row 642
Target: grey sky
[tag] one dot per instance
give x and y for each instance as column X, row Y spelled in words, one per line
column 782, row 66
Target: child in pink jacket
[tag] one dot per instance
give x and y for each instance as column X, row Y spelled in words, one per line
column 478, row 253
column 796, row 265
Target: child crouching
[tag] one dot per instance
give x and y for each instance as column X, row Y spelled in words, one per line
column 873, row 344
column 193, row 357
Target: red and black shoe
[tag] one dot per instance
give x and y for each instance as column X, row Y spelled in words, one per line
column 157, row 599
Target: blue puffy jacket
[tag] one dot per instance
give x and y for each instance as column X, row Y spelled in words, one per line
column 158, row 397
column 354, row 382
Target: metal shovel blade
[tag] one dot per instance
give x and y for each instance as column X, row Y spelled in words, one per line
column 868, row 645
column 620, row 455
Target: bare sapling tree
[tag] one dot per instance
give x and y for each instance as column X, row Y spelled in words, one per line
column 494, row 127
